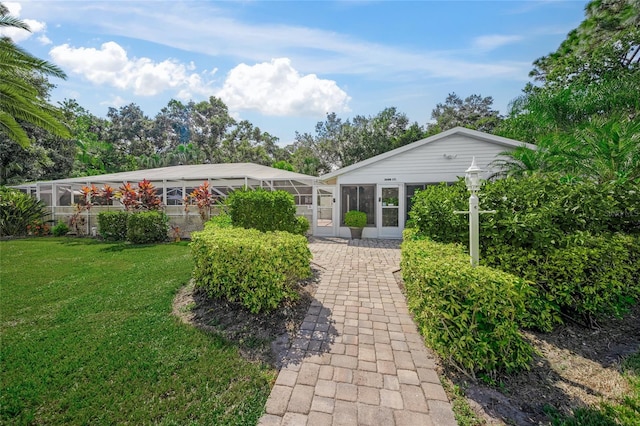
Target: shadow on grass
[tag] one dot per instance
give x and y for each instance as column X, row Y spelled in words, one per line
column 118, row 247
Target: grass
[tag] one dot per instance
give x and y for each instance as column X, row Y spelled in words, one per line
column 88, row 338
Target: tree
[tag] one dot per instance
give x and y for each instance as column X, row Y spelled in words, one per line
column 130, row 130
column 339, row 143
column 46, row 157
column 366, row 137
column 21, row 101
column 475, row 112
column 584, row 117
column 606, row 42
column 208, row 125
column 171, row 126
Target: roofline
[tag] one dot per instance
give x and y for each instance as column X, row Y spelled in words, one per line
column 113, row 177
column 500, row 140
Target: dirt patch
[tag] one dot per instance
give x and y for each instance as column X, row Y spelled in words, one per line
column 261, row 337
column 576, row 367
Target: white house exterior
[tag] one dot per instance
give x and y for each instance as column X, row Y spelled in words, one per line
column 383, row 185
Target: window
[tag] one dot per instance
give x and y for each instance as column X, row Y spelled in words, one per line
column 410, row 191
column 174, row 196
column 359, row 197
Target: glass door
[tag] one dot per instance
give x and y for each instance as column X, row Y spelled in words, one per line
column 324, row 211
column 391, row 222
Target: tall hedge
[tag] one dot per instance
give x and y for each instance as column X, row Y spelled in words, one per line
column 147, row 227
column 257, row 269
column 469, row 316
column 263, row 210
column 562, row 235
column 112, row 225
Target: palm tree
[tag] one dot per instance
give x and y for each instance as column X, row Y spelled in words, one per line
column 20, row 99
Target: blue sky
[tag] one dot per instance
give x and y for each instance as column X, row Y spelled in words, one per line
column 284, row 65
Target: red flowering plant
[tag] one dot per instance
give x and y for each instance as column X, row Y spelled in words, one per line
column 38, row 228
column 91, row 196
column 144, row 197
column 203, row 199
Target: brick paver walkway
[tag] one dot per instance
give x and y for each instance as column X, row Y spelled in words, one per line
column 358, row 358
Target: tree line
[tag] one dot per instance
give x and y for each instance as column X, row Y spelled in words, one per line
column 581, row 110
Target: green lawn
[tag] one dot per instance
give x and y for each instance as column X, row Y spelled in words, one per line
column 87, row 337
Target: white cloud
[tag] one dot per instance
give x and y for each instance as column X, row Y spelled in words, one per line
column 314, row 50
column 494, row 41
column 44, row 40
column 14, row 8
column 111, row 66
column 115, row 101
column 17, row 34
column 276, row 88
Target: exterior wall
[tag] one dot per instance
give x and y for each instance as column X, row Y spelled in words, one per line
column 443, row 160
column 180, row 222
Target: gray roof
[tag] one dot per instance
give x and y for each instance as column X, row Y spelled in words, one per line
column 199, row 172
column 498, row 140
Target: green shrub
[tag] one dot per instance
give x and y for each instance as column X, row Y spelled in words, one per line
column 302, row 225
column 60, row 229
column 262, row 210
column 533, row 212
column 222, row 220
column 258, row 270
column 469, row 316
column 112, row 225
column 432, row 212
column 355, row 219
column 147, row 227
column 587, row 278
column 18, row 211
column 546, row 230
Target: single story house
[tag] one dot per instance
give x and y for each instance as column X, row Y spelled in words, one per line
column 382, row 186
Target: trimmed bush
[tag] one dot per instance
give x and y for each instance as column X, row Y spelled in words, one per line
column 589, row 277
column 112, row 225
column 60, row 229
column 263, row 210
column 147, row 227
column 256, row 269
column 355, row 219
column 432, row 212
column 469, row 316
column 555, row 233
column 533, row 212
column 18, row 211
column 222, row 220
column 302, row 225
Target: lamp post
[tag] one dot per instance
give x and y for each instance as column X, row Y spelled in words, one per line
column 472, row 180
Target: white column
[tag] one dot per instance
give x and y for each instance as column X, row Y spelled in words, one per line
column 474, row 230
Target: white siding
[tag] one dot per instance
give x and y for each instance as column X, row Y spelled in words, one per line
column 428, row 163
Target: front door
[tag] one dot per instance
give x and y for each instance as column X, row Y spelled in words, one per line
column 390, row 219
column 324, row 215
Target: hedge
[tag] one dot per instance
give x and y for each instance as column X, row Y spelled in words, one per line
column 147, row 227
column 263, row 210
column 469, row 316
column 112, row 225
column 256, row 269
column 587, row 278
column 560, row 235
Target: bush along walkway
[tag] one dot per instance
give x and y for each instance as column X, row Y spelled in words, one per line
column 358, row 358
